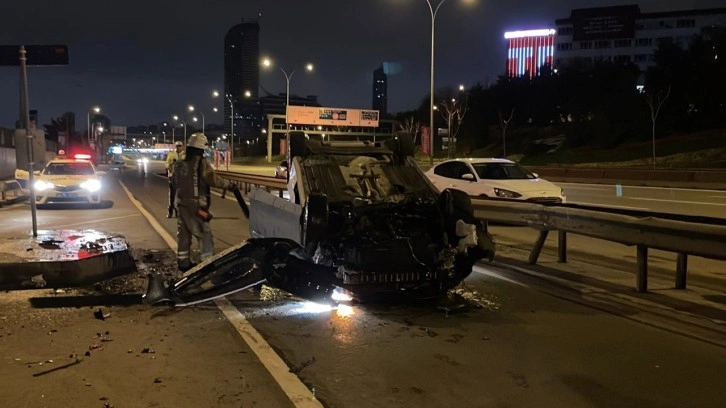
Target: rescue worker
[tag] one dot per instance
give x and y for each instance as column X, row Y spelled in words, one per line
column 171, row 159
column 192, row 177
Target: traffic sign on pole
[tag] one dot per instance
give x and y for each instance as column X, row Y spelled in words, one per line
column 36, row 55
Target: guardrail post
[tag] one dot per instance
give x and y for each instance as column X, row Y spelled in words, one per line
column 562, row 246
column 642, row 278
column 534, row 255
column 681, row 267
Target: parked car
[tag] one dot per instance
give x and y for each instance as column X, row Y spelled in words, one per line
column 494, row 178
column 68, row 180
column 281, row 170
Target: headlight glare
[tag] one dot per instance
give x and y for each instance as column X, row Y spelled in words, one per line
column 91, row 185
column 41, row 185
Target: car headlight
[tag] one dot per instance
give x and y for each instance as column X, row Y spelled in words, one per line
column 91, row 185
column 506, row 193
column 41, row 185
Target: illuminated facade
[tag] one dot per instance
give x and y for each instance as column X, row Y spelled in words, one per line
column 623, row 34
column 528, row 51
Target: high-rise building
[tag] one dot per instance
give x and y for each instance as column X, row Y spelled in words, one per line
column 528, row 51
column 242, row 78
column 624, row 34
column 380, row 90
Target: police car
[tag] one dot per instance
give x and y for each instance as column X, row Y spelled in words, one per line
column 68, row 180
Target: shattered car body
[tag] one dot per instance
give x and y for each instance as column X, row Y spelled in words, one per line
column 362, row 218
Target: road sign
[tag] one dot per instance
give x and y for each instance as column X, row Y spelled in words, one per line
column 35, row 54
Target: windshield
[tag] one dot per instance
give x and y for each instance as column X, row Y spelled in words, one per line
column 72, row 169
column 502, row 171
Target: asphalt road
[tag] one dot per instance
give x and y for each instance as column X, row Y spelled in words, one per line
column 520, row 342
column 710, row 203
column 517, row 341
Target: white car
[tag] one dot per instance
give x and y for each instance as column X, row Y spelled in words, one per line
column 494, row 178
column 68, row 180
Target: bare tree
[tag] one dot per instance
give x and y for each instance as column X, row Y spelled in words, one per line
column 410, row 126
column 453, row 111
column 655, row 100
column 504, row 123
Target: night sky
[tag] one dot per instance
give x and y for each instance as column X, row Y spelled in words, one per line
column 142, row 61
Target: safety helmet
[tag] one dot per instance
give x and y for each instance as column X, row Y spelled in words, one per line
column 198, row 140
column 178, row 143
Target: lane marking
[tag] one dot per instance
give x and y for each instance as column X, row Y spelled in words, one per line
column 290, row 384
column 651, row 188
column 676, row 201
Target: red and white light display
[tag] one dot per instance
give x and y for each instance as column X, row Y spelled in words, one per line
column 528, row 51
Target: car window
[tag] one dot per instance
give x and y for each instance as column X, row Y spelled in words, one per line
column 453, row 170
column 502, row 171
column 55, row 169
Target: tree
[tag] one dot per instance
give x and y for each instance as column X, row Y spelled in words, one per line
column 410, row 126
column 453, row 111
column 655, row 99
column 504, row 123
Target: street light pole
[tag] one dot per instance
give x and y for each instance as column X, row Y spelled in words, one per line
column 95, row 109
column 433, row 11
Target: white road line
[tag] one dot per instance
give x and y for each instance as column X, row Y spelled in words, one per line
column 651, row 188
column 295, row 390
column 676, row 201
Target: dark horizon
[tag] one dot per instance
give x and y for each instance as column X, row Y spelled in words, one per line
column 142, row 62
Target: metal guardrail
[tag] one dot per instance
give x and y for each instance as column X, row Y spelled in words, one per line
column 680, row 234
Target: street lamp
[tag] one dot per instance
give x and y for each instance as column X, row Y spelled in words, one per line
column 231, row 121
column 308, row 67
column 434, row 11
column 176, row 118
column 191, row 109
column 96, row 110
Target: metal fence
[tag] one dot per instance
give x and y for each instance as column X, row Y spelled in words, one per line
column 680, row 234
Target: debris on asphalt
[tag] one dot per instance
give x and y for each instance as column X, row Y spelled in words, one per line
column 76, row 361
column 147, row 350
column 98, row 314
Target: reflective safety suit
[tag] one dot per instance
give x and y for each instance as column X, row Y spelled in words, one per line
column 171, row 160
column 192, row 177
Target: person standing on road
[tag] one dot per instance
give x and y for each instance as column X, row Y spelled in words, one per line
column 193, row 176
column 171, row 159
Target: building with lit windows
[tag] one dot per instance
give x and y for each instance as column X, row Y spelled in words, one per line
column 528, row 51
column 625, row 34
column 380, row 90
column 242, row 79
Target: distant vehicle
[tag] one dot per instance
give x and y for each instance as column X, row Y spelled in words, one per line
column 494, row 178
column 281, row 170
column 68, row 180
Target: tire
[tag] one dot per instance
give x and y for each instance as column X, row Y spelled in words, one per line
column 297, row 145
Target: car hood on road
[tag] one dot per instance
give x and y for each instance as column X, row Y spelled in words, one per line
column 64, row 180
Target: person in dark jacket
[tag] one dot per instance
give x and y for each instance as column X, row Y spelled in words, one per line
column 171, row 159
column 193, row 176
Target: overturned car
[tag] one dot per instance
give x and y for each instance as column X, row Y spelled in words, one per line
column 362, row 218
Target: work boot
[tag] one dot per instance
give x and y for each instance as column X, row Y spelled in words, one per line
column 185, row 264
